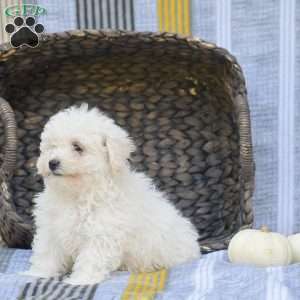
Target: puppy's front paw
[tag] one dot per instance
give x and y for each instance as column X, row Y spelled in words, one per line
column 38, row 273
column 30, row 273
column 83, row 280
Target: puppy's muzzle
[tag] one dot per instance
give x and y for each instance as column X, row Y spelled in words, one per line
column 54, row 164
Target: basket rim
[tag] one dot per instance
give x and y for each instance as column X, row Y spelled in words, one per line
column 7, row 50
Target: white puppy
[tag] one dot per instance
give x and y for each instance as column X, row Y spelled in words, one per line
column 96, row 215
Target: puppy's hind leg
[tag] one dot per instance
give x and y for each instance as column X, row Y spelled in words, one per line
column 94, row 263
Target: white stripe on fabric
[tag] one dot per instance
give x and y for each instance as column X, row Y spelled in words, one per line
column 145, row 15
column 104, row 14
column 97, row 14
column 286, row 118
column 223, row 34
column 112, row 13
column 121, row 15
column 204, row 276
column 81, row 18
column 276, row 290
column 199, row 281
column 271, row 290
column 60, row 16
column 90, row 13
column 127, row 16
column 203, row 20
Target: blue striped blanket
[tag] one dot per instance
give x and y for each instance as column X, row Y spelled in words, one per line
column 212, row 277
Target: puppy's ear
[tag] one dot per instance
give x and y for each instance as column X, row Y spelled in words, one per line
column 118, row 152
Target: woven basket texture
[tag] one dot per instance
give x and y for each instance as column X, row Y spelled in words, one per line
column 183, row 101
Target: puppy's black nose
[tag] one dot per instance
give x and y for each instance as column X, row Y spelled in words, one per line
column 54, row 164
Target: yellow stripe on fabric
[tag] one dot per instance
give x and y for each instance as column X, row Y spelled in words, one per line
column 174, row 16
column 162, row 280
column 153, row 287
column 160, row 14
column 130, row 287
column 179, row 16
column 145, row 286
column 186, row 11
column 167, row 15
column 139, row 286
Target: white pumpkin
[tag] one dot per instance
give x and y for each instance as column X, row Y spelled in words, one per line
column 260, row 248
column 295, row 246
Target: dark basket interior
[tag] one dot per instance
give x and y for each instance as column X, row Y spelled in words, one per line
column 176, row 98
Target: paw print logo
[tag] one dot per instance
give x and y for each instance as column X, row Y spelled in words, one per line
column 24, row 31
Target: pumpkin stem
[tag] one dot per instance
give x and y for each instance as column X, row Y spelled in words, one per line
column 264, row 228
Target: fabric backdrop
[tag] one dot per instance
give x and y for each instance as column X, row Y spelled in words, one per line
column 265, row 38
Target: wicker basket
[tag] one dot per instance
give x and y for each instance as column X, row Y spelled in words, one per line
column 183, row 101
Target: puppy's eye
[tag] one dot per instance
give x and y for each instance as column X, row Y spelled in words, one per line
column 77, row 147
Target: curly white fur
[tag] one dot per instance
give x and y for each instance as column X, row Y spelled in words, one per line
column 96, row 215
